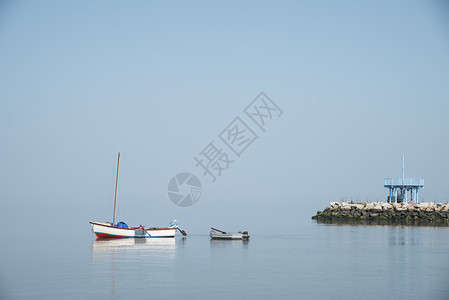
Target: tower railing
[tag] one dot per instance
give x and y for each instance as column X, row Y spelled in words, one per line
column 406, row 181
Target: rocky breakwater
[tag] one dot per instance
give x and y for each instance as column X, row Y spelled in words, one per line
column 427, row 212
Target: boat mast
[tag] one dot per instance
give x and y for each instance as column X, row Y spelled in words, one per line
column 116, row 186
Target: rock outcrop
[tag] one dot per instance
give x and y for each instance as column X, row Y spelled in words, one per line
column 415, row 213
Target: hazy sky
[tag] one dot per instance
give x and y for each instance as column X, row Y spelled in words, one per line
column 359, row 83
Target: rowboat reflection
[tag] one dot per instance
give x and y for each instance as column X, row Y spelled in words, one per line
column 229, row 243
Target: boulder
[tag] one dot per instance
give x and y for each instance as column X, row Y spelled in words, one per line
column 345, row 207
column 358, row 206
column 378, row 207
column 369, row 205
column 423, row 205
column 386, row 206
column 398, row 208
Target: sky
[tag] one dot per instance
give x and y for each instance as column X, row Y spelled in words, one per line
column 359, row 85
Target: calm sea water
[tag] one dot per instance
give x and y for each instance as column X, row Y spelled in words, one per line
column 314, row 261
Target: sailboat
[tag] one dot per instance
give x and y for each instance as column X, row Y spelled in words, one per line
column 107, row 230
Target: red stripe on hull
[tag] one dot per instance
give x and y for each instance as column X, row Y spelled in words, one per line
column 109, row 236
column 105, row 236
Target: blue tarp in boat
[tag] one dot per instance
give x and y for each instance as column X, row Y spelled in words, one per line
column 121, row 225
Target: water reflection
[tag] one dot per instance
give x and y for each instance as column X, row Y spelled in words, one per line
column 182, row 241
column 117, row 264
column 436, row 223
column 403, row 236
column 131, row 244
column 148, row 251
column 229, row 243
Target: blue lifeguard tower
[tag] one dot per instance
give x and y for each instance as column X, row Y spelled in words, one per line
column 400, row 187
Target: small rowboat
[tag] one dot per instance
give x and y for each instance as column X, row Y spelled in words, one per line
column 222, row 235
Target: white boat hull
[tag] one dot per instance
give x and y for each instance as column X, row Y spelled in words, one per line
column 106, row 230
column 228, row 236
